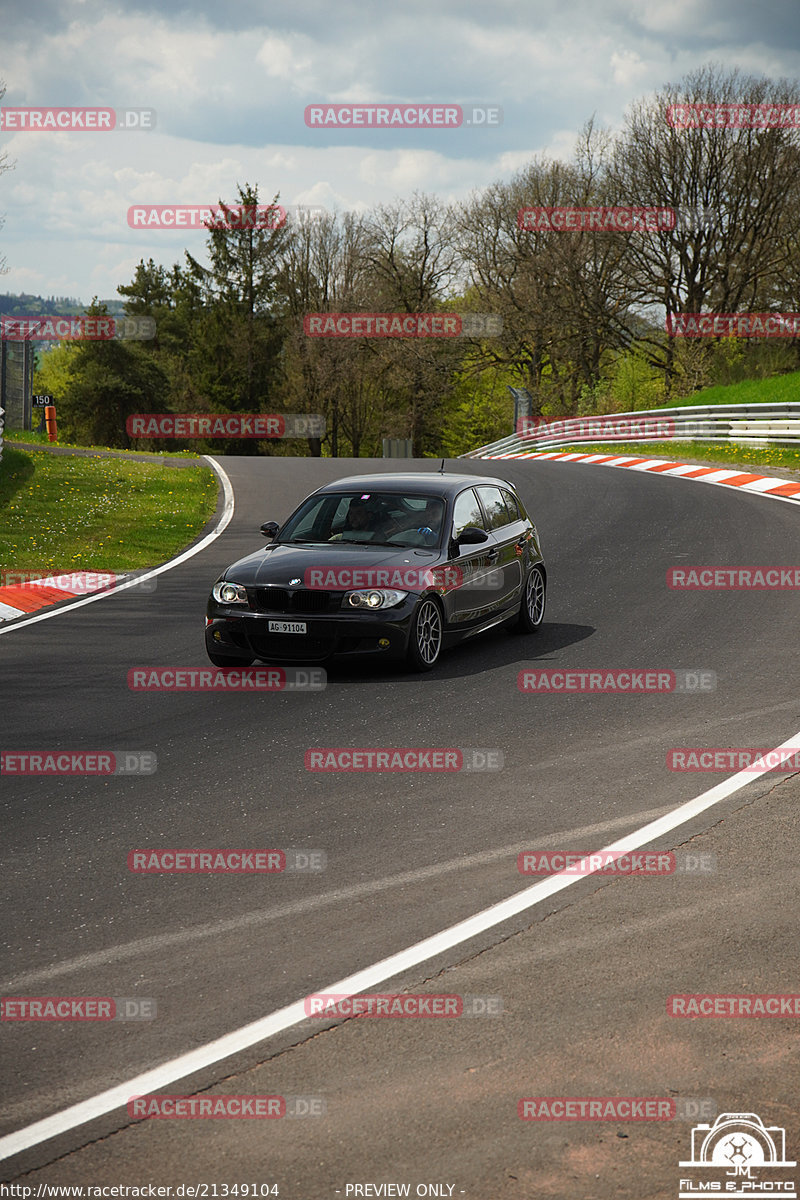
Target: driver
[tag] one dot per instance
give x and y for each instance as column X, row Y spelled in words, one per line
column 359, row 520
column 430, row 522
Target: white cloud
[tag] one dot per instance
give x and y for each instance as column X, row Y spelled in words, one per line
column 628, row 68
column 230, row 88
column 290, row 59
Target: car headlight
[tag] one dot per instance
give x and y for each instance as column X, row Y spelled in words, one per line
column 229, row 593
column 373, row 598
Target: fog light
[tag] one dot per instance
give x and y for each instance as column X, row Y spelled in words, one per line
column 384, row 643
column 217, row 636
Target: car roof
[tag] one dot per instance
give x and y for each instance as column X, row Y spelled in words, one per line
column 434, row 483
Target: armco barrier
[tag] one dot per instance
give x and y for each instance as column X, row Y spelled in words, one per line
column 748, row 424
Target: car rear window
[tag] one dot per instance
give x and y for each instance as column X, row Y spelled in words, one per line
column 495, row 507
column 467, row 512
column 512, row 507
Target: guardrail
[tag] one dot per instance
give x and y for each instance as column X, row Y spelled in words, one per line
column 2, row 424
column 747, row 424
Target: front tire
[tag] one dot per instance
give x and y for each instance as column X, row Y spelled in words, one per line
column 425, row 640
column 534, row 596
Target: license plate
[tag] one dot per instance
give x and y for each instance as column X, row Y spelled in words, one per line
column 288, row 627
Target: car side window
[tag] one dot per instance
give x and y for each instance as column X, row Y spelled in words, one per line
column 512, row 506
column 467, row 511
column 308, row 523
column 495, row 506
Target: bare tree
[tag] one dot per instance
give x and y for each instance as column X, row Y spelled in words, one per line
column 735, row 191
column 562, row 295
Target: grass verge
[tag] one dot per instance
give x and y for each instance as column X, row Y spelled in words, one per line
column 64, row 512
column 32, row 437
column 778, row 389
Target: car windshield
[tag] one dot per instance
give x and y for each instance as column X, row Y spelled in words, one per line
column 367, row 518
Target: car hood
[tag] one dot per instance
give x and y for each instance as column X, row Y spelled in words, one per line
column 280, row 564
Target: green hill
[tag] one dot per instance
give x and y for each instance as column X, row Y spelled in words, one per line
column 780, row 389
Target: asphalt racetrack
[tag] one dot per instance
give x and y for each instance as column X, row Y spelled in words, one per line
column 583, row 975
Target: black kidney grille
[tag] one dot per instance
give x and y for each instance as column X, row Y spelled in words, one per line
column 280, row 600
column 271, row 599
column 311, row 602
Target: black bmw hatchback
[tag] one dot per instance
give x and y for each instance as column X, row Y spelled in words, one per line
column 398, row 566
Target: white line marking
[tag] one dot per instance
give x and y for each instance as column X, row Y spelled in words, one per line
column 378, row 973
column 224, row 520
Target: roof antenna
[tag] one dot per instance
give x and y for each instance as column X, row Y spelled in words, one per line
column 441, row 468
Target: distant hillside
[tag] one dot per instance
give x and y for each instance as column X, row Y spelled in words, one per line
column 25, row 305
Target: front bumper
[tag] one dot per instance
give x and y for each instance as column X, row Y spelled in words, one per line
column 246, row 634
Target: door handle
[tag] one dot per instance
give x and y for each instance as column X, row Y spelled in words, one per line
column 492, row 556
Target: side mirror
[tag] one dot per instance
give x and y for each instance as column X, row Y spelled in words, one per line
column 270, row 528
column 472, row 536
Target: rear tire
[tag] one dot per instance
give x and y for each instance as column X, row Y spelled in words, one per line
column 425, row 640
column 534, row 597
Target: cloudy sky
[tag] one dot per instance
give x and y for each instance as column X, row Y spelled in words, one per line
column 230, row 83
